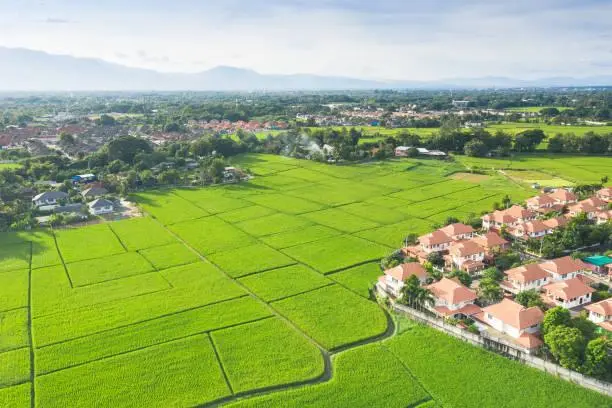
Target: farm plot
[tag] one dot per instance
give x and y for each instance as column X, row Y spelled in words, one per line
column 210, row 235
column 246, row 213
column 284, row 282
column 148, row 333
column 14, row 367
column 301, row 236
column 168, row 208
column 184, row 372
column 249, row 260
column 13, row 290
column 211, row 200
column 360, row 279
column 272, row 224
column 141, row 233
column 434, row 190
column 15, row 256
column 13, row 329
column 266, row 353
column 340, row 220
column 17, row 396
column 368, row 376
column 285, row 203
column 393, row 235
column 88, row 243
column 109, row 268
column 332, row 254
column 52, row 293
column 193, row 285
column 379, row 214
column 334, row 316
column 443, row 363
column 167, row 256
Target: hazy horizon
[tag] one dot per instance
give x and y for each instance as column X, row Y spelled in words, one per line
column 388, row 40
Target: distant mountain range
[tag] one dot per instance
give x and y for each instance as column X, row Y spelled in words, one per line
column 28, row 70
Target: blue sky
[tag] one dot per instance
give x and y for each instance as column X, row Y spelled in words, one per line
column 384, row 39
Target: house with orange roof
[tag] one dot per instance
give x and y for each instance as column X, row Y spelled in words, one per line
column 605, row 194
column 532, row 229
column 436, row 241
column 514, row 320
column 555, row 223
column 600, row 313
column 458, row 231
column 491, row 242
column 525, row 277
column 590, row 206
column 564, row 268
column 568, row 293
column 510, row 217
column 452, row 299
column 393, row 279
column 467, row 256
column 563, row 197
column 603, row 217
column 543, row 201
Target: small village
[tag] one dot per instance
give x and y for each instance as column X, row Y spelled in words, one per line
column 462, row 275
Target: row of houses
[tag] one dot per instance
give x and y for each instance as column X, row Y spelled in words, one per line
column 59, row 201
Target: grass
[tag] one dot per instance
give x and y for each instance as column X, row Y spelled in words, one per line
column 14, row 293
column 272, row 224
column 359, row 279
column 52, row 293
column 266, row 353
column 444, row 364
column 249, row 260
column 17, row 396
column 168, row 208
column 211, row 235
column 340, row 220
column 368, row 376
column 113, row 267
column 193, row 285
column 88, row 243
column 16, row 256
column 181, row 373
column 300, row 236
column 284, row 282
column 246, row 213
column 334, row 316
column 148, row 333
column 141, row 233
column 14, row 367
column 285, row 203
column 13, row 329
column 167, row 256
column 332, row 254
column 211, row 200
column 393, row 235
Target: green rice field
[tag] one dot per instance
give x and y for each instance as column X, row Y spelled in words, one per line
column 259, row 295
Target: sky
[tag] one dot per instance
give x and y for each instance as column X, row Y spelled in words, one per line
column 380, row 39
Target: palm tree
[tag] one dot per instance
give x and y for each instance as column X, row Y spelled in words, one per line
column 413, row 294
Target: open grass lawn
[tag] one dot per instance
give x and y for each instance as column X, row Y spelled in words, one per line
column 227, row 290
column 284, row 282
column 113, row 267
column 266, row 353
column 444, row 363
column 334, row 316
column 88, row 243
column 141, row 233
column 368, row 376
column 181, row 373
column 249, row 260
column 332, row 254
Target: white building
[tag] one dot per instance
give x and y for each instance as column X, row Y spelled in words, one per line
column 101, row 206
column 452, row 299
column 568, row 293
column 516, row 321
column 49, row 199
column 393, row 279
column 525, row 277
column 600, row 313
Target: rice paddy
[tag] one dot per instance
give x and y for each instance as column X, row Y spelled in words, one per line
column 217, row 294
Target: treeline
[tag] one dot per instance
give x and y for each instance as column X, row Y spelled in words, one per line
column 589, row 143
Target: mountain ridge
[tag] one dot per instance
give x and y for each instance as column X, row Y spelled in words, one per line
column 29, row 70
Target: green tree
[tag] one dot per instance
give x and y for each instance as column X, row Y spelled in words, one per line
column 597, row 361
column 529, row 298
column 489, row 290
column 463, row 277
column 567, row 345
column 413, row 293
column 557, row 316
column 125, row 148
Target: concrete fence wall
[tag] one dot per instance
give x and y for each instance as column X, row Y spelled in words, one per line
column 507, row 349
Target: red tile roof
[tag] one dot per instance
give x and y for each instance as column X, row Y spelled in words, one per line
column 568, row 289
column 564, row 265
column 490, row 240
column 603, row 308
column 514, row 314
column 435, row 238
column 562, row 195
column 457, row 229
column 404, row 271
column 452, row 292
column 527, row 273
column 465, row 248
